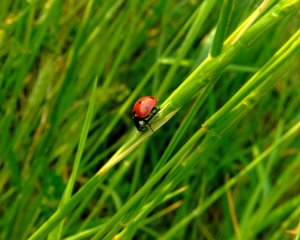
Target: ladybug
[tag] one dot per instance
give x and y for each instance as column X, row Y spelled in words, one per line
column 143, row 111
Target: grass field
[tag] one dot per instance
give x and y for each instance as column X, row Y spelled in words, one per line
column 223, row 159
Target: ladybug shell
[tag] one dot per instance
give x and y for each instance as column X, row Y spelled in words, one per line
column 143, row 107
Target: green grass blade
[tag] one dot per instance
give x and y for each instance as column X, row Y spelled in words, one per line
column 57, row 232
column 222, row 28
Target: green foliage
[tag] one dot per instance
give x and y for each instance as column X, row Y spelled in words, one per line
column 224, row 157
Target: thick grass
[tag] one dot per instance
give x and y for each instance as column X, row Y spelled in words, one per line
column 224, row 157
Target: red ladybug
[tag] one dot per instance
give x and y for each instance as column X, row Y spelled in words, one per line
column 143, row 111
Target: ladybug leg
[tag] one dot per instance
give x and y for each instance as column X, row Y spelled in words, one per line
column 150, row 127
column 151, row 115
column 146, row 121
column 155, row 110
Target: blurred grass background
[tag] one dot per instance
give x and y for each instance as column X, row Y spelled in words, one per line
column 50, row 55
